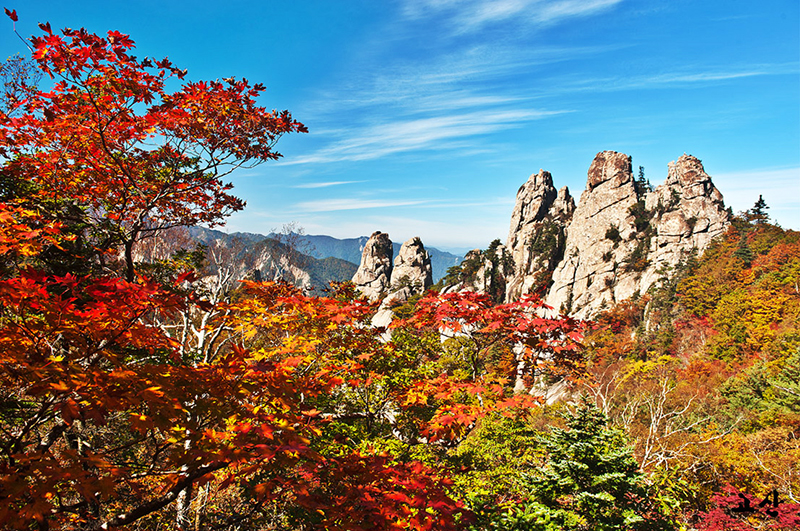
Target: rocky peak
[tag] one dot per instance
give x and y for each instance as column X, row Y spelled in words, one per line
column 536, row 234
column 564, row 206
column 412, row 267
column 534, row 199
column 374, row 273
column 687, row 170
column 687, row 212
column 688, row 176
column 610, row 168
column 621, row 238
column 412, row 275
column 600, row 236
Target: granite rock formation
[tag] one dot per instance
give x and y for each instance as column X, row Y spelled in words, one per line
column 623, row 237
column 412, row 267
column 536, row 236
column 600, row 237
column 373, row 276
column 377, row 279
column 412, row 275
column 485, row 272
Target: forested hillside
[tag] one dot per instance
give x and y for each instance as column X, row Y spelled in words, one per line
column 700, row 376
column 703, row 373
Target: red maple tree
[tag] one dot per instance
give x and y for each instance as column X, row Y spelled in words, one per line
column 106, row 425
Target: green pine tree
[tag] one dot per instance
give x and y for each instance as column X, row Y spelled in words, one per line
column 758, row 214
column 743, row 251
column 591, row 482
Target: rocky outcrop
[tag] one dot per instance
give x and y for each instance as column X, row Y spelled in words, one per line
column 689, row 212
column 536, row 236
column 373, row 276
column 376, row 278
column 623, row 236
column 485, row 272
column 412, row 267
column 600, row 237
column 472, row 274
column 412, row 275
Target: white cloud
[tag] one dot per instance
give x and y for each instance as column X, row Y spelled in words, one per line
column 326, row 184
column 699, row 76
column 467, row 16
column 330, row 205
column 474, row 76
column 451, row 100
column 407, row 135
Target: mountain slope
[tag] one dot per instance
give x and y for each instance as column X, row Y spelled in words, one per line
column 257, row 255
column 320, row 246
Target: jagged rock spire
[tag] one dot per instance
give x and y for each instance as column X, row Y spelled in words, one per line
column 600, row 236
column 374, row 273
column 412, row 267
column 622, row 239
column 536, row 235
column 411, row 275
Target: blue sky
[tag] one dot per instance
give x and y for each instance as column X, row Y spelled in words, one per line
column 427, row 115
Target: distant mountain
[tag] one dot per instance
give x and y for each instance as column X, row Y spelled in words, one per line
column 266, row 258
column 322, row 247
column 350, row 249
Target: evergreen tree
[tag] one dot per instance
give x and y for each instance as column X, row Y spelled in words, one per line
column 641, row 184
column 743, row 251
column 591, row 482
column 758, row 214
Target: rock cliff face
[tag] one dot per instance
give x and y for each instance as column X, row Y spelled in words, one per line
column 374, row 273
column 412, row 267
column 485, row 272
column 376, row 278
column 693, row 211
column 619, row 240
column 536, row 237
column 600, row 238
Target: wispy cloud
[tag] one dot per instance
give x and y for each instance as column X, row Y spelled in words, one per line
column 699, row 76
column 455, row 100
column 412, row 94
column 448, row 100
column 385, row 138
column 326, row 184
column 469, row 76
column 465, row 16
column 331, row 205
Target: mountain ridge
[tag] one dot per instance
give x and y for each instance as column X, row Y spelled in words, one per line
column 618, row 240
column 321, row 247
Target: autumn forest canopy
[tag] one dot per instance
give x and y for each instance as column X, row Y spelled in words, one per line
column 141, row 390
